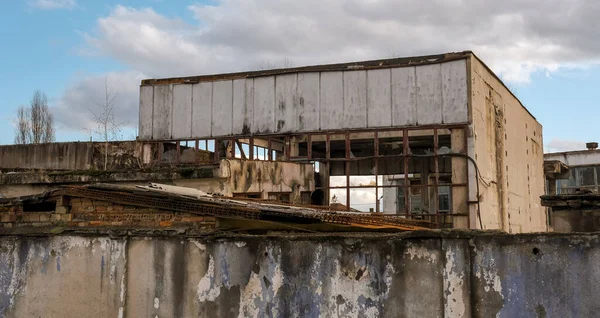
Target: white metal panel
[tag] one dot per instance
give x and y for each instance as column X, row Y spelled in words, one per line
column 161, row 119
column 429, row 97
column 182, row 111
column 454, row 92
column 264, row 105
column 202, row 109
column 308, row 101
column 286, row 119
column 332, row 100
column 239, row 104
column 249, row 107
column 222, row 108
column 404, row 96
column 146, row 105
column 355, row 99
column 379, row 98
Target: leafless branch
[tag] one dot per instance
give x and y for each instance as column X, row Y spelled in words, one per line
column 35, row 124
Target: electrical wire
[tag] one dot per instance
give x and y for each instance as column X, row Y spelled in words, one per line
column 477, row 176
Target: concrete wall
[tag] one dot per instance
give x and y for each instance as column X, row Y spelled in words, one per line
column 231, row 176
column 506, row 142
column 51, row 156
column 575, row 220
column 431, row 275
column 71, row 156
column 303, row 102
column 576, row 158
column 241, row 176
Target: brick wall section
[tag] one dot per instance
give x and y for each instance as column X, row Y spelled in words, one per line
column 94, row 213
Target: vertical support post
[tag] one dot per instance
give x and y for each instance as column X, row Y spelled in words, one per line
column 309, row 146
column 286, row 148
column 206, row 145
column 159, row 149
column 196, row 147
column 142, row 153
column 376, row 169
column 327, row 147
column 178, row 149
column 217, row 146
column 406, row 181
column 347, row 170
column 460, row 196
column 328, row 160
column 437, row 176
column 270, row 154
column 233, row 147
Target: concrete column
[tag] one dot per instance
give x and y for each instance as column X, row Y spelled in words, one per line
column 459, row 175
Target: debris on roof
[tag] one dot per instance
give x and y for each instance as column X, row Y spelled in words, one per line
column 253, row 213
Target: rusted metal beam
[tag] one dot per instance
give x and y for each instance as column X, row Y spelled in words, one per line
column 376, row 169
column 347, row 142
column 406, row 181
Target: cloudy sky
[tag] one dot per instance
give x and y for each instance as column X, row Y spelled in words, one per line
column 547, row 51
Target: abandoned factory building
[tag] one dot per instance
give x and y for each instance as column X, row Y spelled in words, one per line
column 436, row 138
column 572, row 189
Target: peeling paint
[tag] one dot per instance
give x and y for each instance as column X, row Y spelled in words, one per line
column 295, row 276
column 420, row 253
column 206, row 290
column 240, row 244
column 453, row 284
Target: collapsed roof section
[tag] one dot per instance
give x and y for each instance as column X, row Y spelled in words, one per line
column 255, row 214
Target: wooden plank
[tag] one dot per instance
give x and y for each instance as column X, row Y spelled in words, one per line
column 161, row 119
column 239, row 105
column 379, row 98
column 201, row 109
column 264, row 105
column 146, row 109
column 182, row 111
column 355, row 99
column 404, row 101
column 222, row 108
column 429, row 97
column 332, row 100
column 308, row 101
column 286, row 119
column 454, row 92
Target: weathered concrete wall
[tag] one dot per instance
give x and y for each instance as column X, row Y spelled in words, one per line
column 306, row 101
column 70, row 156
column 576, row 158
column 575, row 220
column 237, row 176
column 51, row 156
column 426, row 275
column 506, row 142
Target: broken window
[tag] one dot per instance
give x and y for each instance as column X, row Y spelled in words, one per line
column 585, row 176
column 444, row 199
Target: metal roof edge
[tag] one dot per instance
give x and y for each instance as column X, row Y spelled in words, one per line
column 359, row 65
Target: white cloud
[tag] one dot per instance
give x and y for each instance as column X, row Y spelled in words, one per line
column 560, row 145
column 514, row 37
column 53, row 4
column 83, row 95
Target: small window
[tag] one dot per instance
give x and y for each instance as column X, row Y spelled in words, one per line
column 444, row 199
column 585, row 176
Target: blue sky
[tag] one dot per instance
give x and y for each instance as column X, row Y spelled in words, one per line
column 68, row 47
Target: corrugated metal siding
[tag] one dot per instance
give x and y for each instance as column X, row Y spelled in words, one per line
column 301, row 102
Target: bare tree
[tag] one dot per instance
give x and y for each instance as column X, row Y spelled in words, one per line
column 35, row 124
column 108, row 128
